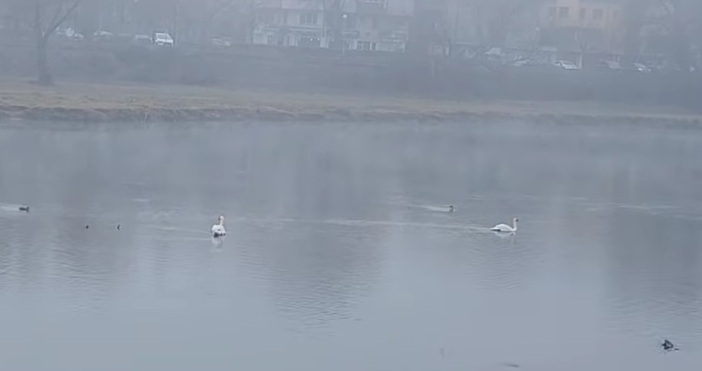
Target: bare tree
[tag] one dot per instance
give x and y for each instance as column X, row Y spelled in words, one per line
column 500, row 20
column 45, row 17
column 197, row 18
column 334, row 21
column 249, row 15
column 634, row 16
column 211, row 12
column 684, row 22
column 674, row 24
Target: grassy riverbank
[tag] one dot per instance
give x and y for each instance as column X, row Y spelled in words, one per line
column 92, row 102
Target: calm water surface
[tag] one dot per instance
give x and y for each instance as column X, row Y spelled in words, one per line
column 341, row 255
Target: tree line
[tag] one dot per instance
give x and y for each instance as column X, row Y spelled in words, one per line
column 674, row 24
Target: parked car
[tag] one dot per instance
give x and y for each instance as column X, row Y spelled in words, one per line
column 70, row 33
column 609, row 65
column 221, row 42
column 520, row 63
column 103, row 36
column 566, row 65
column 163, row 39
column 640, row 67
column 142, row 40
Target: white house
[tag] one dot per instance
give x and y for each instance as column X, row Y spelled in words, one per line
column 373, row 25
column 290, row 23
column 381, row 25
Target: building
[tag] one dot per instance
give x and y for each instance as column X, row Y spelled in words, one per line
column 289, row 23
column 373, row 25
column 581, row 25
column 504, row 24
column 378, row 25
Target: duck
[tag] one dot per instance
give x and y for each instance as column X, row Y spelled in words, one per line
column 451, row 209
column 218, row 229
column 668, row 346
column 24, row 208
column 504, row 228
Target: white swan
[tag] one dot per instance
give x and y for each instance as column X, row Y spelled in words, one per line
column 506, row 228
column 218, row 229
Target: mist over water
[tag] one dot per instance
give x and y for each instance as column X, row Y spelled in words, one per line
column 341, row 254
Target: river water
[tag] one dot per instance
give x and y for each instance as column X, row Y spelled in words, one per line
column 341, row 254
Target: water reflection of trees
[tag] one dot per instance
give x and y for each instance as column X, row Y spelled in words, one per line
column 61, row 177
column 652, row 272
column 304, row 196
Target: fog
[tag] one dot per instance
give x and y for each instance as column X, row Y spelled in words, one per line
column 340, row 185
column 449, row 47
column 341, row 250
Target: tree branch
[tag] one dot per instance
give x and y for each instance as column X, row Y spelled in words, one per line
column 667, row 6
column 36, row 25
column 57, row 14
column 222, row 7
column 59, row 20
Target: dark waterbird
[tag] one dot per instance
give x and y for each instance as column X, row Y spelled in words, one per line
column 510, row 365
column 24, row 208
column 668, row 346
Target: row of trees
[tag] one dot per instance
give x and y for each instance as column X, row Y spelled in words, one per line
column 676, row 24
column 43, row 17
column 195, row 18
column 664, row 27
column 670, row 27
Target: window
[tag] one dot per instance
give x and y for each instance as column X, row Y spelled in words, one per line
column 563, row 12
column 583, row 13
column 349, row 22
column 598, row 14
column 309, row 42
column 373, row 2
column 309, row 19
column 265, row 18
column 365, row 45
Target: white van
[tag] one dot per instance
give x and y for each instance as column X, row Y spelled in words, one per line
column 163, row 39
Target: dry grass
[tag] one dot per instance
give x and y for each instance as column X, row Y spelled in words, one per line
column 95, row 101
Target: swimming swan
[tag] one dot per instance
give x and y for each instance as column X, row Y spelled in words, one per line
column 506, row 228
column 218, row 229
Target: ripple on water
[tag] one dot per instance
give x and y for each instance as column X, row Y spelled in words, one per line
column 314, row 275
column 345, row 235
